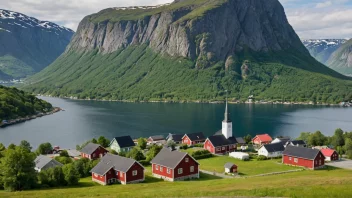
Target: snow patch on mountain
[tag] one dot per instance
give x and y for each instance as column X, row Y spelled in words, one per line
column 24, row 21
column 326, row 43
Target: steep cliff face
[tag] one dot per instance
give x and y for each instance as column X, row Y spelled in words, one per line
column 231, row 26
column 341, row 59
column 27, row 45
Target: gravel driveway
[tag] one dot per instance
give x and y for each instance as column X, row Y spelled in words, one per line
column 344, row 163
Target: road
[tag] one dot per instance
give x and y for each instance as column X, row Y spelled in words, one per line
column 344, row 163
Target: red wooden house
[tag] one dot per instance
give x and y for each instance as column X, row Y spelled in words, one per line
column 114, row 168
column 304, row 157
column 218, row 144
column 262, row 139
column 172, row 165
column 193, row 138
column 93, row 151
column 330, row 154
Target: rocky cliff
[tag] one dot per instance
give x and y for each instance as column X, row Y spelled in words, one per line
column 190, row 50
column 341, row 59
column 27, row 45
column 179, row 30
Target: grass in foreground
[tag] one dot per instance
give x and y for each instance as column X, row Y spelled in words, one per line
column 245, row 168
column 323, row 183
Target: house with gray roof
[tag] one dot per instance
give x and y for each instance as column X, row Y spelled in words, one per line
column 271, row 150
column 93, row 151
column 303, row 157
column 114, row 168
column 43, row 162
column 193, row 138
column 230, row 167
column 177, row 138
column 173, row 165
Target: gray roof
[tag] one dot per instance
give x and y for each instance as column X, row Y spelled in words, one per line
column 44, row 162
column 73, row 153
column 229, row 165
column 175, row 137
column 298, row 142
column 157, row 137
column 275, row 147
column 240, row 140
column 90, row 148
column 124, row 141
column 301, row 152
column 196, row 136
column 113, row 161
column 169, row 158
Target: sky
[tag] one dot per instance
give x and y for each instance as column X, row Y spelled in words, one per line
column 312, row 19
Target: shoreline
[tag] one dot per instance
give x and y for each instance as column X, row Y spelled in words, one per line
column 29, row 117
column 200, row 102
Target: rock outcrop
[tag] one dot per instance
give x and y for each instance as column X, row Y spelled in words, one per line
column 341, row 59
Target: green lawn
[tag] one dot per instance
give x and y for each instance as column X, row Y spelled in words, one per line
column 322, row 183
column 245, row 168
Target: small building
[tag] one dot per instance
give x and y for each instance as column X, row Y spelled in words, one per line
column 122, row 144
column 271, row 150
column 230, row 167
column 114, row 168
column 262, row 139
column 283, row 140
column 303, row 157
column 193, row 138
column 156, row 139
column 298, row 143
column 218, row 144
column 330, row 154
column 173, row 165
column 239, row 155
column 43, row 162
column 73, row 153
column 93, row 151
column 177, row 138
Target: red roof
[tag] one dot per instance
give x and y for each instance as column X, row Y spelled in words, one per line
column 264, row 138
column 327, row 152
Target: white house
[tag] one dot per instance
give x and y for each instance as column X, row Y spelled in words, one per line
column 272, row 150
column 283, row 140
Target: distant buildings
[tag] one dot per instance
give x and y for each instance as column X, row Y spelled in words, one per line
column 330, row 154
column 262, row 139
column 157, row 139
column 93, row 151
column 193, row 138
column 271, row 150
column 177, row 138
column 122, row 144
column 173, row 165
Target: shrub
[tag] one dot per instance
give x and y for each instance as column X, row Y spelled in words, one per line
column 63, row 160
column 261, row 158
column 184, row 146
column 201, row 154
column 144, row 162
column 198, row 145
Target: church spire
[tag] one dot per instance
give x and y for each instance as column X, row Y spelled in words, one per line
column 227, row 115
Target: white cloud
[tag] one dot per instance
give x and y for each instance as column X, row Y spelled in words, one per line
column 310, row 18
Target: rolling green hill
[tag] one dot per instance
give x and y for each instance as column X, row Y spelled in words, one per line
column 190, row 50
column 15, row 103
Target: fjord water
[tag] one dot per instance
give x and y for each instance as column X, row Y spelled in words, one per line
column 83, row 120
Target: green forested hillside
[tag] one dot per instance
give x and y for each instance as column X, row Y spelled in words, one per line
column 15, row 103
column 137, row 73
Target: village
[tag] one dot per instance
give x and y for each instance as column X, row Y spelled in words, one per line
column 193, row 156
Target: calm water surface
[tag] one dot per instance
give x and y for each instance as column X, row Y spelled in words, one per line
column 84, row 120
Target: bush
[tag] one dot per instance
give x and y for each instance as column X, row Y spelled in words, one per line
column 184, row 146
column 261, row 158
column 63, row 160
column 201, row 154
column 199, row 145
column 144, row 162
column 64, row 153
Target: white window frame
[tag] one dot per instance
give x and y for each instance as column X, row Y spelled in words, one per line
column 121, row 174
column 192, row 169
column 161, row 169
column 93, row 155
column 96, row 175
column 180, row 171
column 156, row 167
column 223, row 148
column 168, row 170
column 186, row 159
column 218, row 149
column 295, row 160
column 134, row 173
column 290, row 158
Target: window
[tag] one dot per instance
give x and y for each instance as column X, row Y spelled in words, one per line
column 192, row 169
column 95, row 175
column 121, row 174
column 134, row 173
column 186, row 159
column 208, row 147
column 180, row 171
column 156, row 167
column 223, row 148
column 290, row 158
column 161, row 169
column 218, row 149
column 168, row 171
column 93, row 154
column 316, row 162
column 296, row 160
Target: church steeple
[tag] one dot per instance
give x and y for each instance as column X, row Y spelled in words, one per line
column 227, row 124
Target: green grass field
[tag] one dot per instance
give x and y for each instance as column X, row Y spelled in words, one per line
column 322, row 183
column 245, row 168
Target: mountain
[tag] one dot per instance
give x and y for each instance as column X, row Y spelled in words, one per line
column 341, row 59
column 27, row 45
column 321, row 49
column 190, row 50
column 15, row 103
